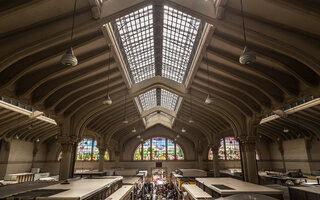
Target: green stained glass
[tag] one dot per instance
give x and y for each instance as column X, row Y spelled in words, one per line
column 159, row 148
column 137, row 153
column 106, row 155
column 95, row 155
column 60, row 156
column 179, row 153
column 84, row 149
column 146, row 150
column 171, row 152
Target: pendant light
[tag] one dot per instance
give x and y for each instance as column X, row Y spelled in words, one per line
column 285, row 130
column 69, row 59
column 107, row 100
column 37, row 140
column 134, row 130
column 247, row 57
column 16, row 137
column 191, row 121
column 31, row 126
column 125, row 121
column 183, row 130
column 209, row 99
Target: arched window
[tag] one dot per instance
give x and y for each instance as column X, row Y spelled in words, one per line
column 221, row 152
column 158, row 148
column 88, row 150
column 85, row 149
column 60, row 156
column 232, row 148
column 106, row 155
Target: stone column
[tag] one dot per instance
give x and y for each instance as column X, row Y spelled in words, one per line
column 102, row 151
column 117, row 158
column 34, row 152
column 248, row 158
column 66, row 163
column 280, row 148
column 215, row 153
column 200, row 158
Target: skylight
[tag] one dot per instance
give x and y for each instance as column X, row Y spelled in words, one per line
column 168, row 99
column 148, row 100
column 179, row 34
column 136, row 33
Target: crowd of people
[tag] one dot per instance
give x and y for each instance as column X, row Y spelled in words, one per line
column 154, row 191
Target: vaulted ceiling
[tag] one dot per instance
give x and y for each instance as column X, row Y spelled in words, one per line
column 284, row 35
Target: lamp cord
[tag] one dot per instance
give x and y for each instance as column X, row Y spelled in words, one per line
column 243, row 26
column 108, row 80
column 73, row 16
column 207, row 70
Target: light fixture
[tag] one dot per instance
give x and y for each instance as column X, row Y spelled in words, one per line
column 69, row 59
column 37, row 140
column 175, row 139
column 139, row 136
column 107, row 100
column 141, row 139
column 183, row 130
column 178, row 136
column 209, row 99
column 247, row 57
column 134, row 130
column 16, row 137
column 285, row 130
column 125, row 121
column 191, row 121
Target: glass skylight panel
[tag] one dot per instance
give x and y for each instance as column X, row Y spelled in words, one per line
column 148, row 100
column 179, row 34
column 136, row 34
column 168, row 99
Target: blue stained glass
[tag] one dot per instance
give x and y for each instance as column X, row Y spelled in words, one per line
column 84, row 149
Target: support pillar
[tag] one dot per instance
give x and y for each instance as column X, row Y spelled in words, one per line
column 248, row 159
column 280, row 148
column 102, row 151
column 215, row 153
column 117, row 158
column 35, row 152
column 66, row 163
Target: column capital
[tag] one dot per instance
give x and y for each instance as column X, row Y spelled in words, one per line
column 101, row 148
column 67, row 139
column 247, row 139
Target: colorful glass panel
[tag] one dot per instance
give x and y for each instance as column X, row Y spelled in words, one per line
column 137, row 153
column 179, row 153
column 84, row 149
column 257, row 155
column 106, row 155
column 146, row 150
column 95, row 155
column 171, row 153
column 210, row 154
column 232, row 149
column 60, row 156
column 158, row 148
column 221, row 155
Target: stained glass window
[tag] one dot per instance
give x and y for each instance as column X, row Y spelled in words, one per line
column 95, row 154
column 171, row 151
column 162, row 149
column 232, row 149
column 106, row 155
column 60, row 156
column 84, row 149
column 179, row 153
column 221, row 152
column 137, row 154
column 146, row 150
column 257, row 155
column 158, row 148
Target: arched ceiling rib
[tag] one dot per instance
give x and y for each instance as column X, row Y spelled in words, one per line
column 283, row 34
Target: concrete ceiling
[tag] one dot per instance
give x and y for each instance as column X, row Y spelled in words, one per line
column 285, row 36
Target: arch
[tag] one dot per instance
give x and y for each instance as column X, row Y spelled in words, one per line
column 158, row 148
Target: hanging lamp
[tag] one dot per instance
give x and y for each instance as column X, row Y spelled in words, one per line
column 107, row 100
column 183, row 130
column 125, row 121
column 134, row 130
column 209, row 99
column 69, row 59
column 247, row 57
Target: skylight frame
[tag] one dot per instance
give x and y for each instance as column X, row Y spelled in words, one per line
column 135, row 36
column 169, row 100
column 179, row 43
column 148, row 99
